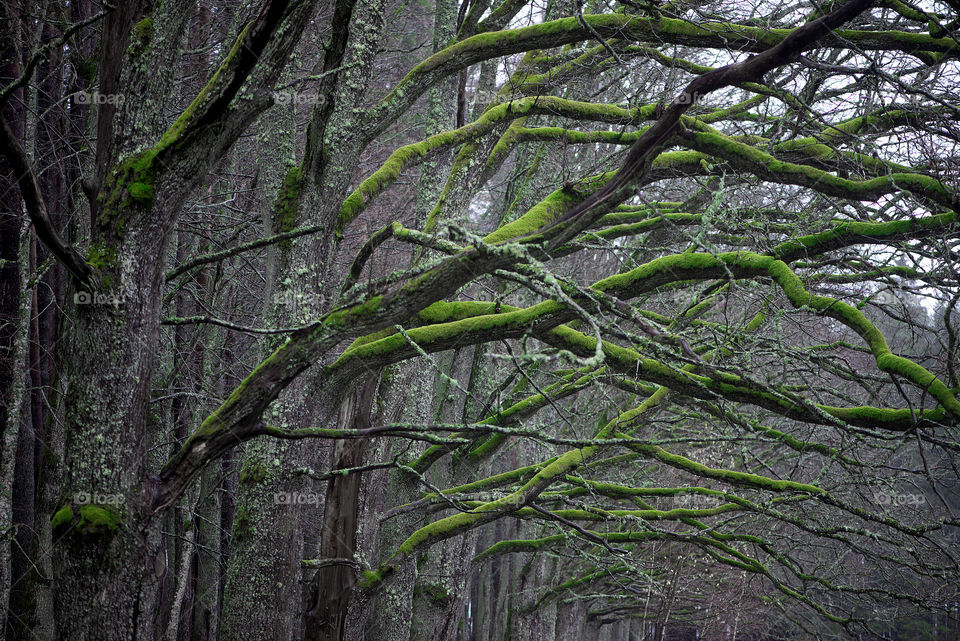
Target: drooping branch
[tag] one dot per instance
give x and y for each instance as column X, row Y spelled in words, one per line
column 240, row 414
column 36, row 207
column 724, row 35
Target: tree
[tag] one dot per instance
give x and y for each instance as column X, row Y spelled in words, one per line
column 599, row 320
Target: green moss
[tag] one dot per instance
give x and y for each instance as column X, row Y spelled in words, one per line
column 173, row 134
column 142, row 192
column 342, row 317
column 102, row 256
column 519, row 545
column 88, row 520
column 96, row 520
column 369, row 579
column 129, row 185
column 243, row 522
column 285, row 208
column 443, row 529
column 140, row 36
column 62, row 518
column 437, row 594
column 730, row 476
column 548, row 210
column 768, row 167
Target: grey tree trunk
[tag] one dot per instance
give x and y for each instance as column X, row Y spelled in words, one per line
column 277, row 500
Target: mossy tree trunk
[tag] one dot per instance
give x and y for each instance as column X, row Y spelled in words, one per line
column 262, row 591
column 106, row 562
column 270, row 535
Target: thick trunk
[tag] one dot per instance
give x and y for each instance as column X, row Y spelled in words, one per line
column 262, row 592
column 333, row 584
column 262, row 596
column 107, row 561
column 105, row 551
column 386, row 614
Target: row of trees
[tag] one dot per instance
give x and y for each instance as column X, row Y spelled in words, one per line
column 387, row 320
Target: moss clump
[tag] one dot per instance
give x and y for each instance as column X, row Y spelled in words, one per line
column 285, row 209
column 97, row 519
column 88, row 520
column 370, row 579
column 102, row 257
column 129, row 185
column 141, row 192
column 62, row 518
column 140, row 36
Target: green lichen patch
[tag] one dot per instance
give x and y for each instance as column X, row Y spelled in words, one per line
column 253, row 471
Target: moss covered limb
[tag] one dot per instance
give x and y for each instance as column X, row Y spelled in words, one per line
column 263, row 41
column 520, row 545
column 238, row 418
column 568, row 385
column 411, row 154
column 631, row 363
column 748, row 264
column 549, row 314
column 676, row 514
column 524, row 495
column 848, row 233
column 211, row 123
column 723, row 35
column 732, row 477
column 768, row 167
